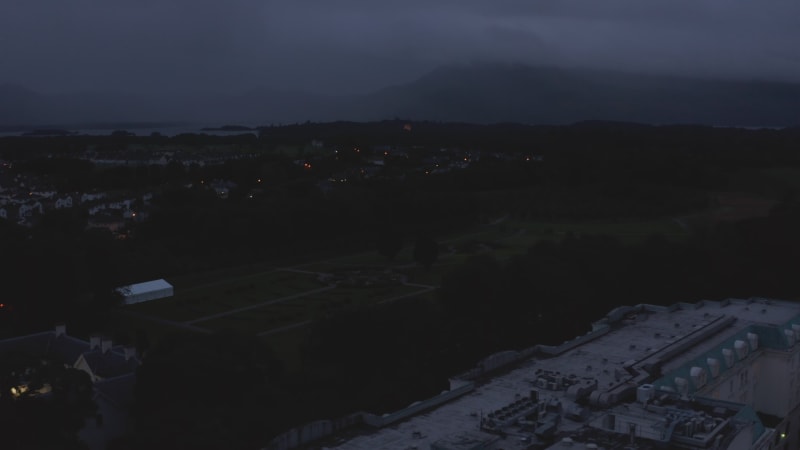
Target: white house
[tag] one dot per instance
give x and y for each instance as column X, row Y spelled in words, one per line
column 65, row 202
column 28, row 209
column 112, row 371
column 91, row 197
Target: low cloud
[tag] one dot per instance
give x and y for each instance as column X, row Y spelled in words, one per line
column 359, row 45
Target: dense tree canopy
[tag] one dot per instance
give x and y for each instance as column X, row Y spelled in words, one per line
column 220, row 391
column 51, row 408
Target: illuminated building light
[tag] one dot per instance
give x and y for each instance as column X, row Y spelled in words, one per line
column 19, row 390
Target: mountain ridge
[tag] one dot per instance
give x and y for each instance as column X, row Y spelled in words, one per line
column 477, row 93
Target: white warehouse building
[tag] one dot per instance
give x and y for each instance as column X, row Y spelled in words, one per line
column 144, row 292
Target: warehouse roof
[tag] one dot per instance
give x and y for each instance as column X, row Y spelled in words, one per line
column 629, row 343
column 147, row 286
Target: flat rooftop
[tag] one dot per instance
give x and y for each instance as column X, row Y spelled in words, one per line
column 638, row 336
column 147, row 286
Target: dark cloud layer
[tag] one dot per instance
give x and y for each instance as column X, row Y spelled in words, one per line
column 359, row 45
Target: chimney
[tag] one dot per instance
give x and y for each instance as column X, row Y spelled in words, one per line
column 106, row 345
column 94, row 342
column 61, row 329
column 130, row 353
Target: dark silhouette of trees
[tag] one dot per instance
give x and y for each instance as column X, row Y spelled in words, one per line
column 34, row 421
column 349, row 359
column 208, row 391
column 426, row 250
column 390, row 242
column 58, row 272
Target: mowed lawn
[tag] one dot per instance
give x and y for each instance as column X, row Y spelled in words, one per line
column 306, row 308
column 526, row 234
column 226, row 292
column 214, row 298
column 501, row 240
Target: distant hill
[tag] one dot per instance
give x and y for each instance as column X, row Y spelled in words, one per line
column 487, row 93
column 20, row 106
column 517, row 93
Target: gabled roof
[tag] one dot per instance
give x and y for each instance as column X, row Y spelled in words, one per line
column 109, row 364
column 63, row 348
column 118, row 390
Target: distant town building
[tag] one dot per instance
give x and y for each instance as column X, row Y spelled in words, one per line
column 222, row 187
column 110, row 220
column 87, row 197
column 27, row 210
column 65, row 202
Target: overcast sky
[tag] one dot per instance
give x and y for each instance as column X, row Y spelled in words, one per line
column 361, row 45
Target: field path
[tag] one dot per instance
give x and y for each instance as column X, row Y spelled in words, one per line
column 284, row 328
column 167, row 322
column 258, row 305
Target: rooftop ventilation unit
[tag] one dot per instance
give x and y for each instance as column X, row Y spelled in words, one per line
column 645, row 393
column 741, row 348
column 698, row 376
column 753, row 339
column 713, row 365
column 728, row 355
column 789, row 337
column 681, row 385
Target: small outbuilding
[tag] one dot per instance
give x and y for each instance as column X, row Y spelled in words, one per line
column 144, row 292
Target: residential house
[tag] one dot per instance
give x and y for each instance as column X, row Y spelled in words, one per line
column 29, row 209
column 112, row 370
column 89, row 197
column 114, row 399
column 222, row 187
column 110, row 220
column 64, row 202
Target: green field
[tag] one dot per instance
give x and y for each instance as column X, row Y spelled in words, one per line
column 305, row 308
column 219, row 275
column 121, row 324
column 256, row 299
column 501, row 240
column 777, row 180
column 279, row 303
column 206, row 299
